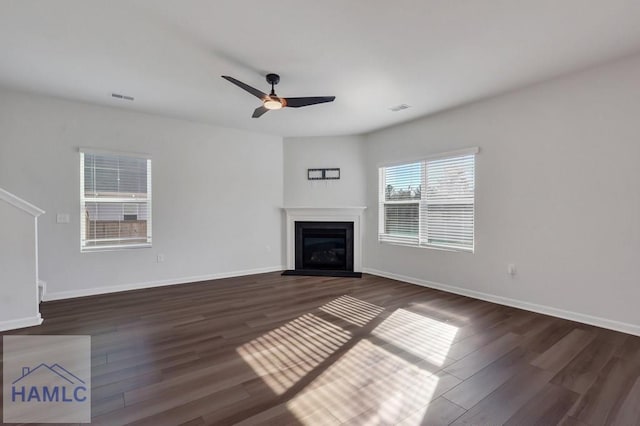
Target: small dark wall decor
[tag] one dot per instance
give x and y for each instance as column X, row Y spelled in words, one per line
column 323, row 174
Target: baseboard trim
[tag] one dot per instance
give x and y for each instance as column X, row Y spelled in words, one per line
column 72, row 294
column 515, row 303
column 20, row 323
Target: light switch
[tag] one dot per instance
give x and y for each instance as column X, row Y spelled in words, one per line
column 63, row 218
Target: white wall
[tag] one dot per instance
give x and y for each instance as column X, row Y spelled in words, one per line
column 18, row 276
column 217, row 193
column 344, row 152
column 558, row 194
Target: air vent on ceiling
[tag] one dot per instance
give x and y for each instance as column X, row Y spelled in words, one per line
column 399, row 107
column 123, row 97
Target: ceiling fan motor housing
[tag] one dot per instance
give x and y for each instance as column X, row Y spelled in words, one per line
column 273, row 78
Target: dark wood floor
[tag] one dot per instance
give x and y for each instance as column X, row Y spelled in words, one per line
column 268, row 349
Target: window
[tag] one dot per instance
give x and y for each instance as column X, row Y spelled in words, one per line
column 115, row 197
column 429, row 203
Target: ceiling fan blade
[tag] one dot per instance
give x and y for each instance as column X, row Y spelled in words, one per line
column 300, row 102
column 259, row 111
column 255, row 92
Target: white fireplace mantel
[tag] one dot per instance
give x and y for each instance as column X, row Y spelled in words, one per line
column 325, row 214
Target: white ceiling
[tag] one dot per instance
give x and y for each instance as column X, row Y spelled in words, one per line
column 372, row 55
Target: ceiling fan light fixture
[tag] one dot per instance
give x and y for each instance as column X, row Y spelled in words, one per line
column 272, row 103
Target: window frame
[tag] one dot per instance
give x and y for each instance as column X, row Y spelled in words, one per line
column 84, row 248
column 423, row 203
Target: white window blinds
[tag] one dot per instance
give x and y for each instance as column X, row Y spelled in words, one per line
column 429, row 203
column 115, row 197
column 400, row 203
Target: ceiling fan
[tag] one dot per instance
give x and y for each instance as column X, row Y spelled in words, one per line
column 273, row 101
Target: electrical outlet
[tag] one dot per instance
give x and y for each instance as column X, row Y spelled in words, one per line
column 160, row 258
column 63, row 218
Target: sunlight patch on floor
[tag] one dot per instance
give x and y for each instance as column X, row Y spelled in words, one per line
column 421, row 336
column 369, row 384
column 284, row 355
column 378, row 380
column 352, row 310
column 428, row 309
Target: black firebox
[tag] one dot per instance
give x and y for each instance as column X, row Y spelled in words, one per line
column 324, row 248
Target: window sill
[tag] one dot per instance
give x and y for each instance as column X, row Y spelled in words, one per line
column 114, row 248
column 428, row 247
